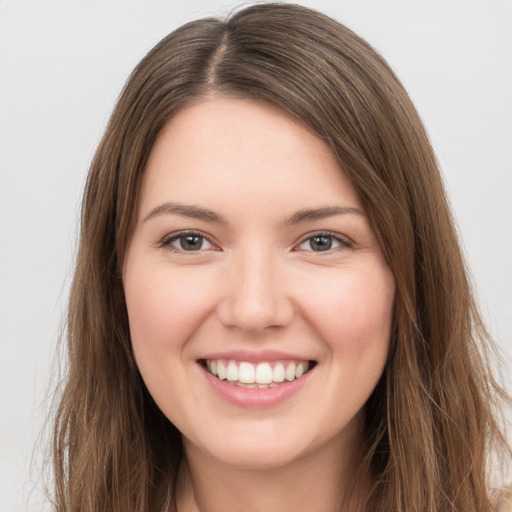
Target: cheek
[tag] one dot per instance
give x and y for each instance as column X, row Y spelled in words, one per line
column 354, row 312
column 164, row 307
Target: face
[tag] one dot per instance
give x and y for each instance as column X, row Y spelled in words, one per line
column 259, row 302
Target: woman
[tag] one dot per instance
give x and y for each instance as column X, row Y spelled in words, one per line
column 270, row 309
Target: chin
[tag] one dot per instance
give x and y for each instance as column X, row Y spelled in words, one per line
column 253, row 456
column 267, row 445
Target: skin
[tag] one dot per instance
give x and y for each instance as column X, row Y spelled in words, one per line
column 256, row 283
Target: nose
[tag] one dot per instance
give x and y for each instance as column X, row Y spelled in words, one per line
column 255, row 296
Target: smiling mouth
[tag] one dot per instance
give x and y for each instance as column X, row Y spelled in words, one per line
column 257, row 376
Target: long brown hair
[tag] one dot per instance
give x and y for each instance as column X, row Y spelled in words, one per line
column 430, row 424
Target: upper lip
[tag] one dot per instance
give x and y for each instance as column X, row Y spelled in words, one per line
column 254, row 356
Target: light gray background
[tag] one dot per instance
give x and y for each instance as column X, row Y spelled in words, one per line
column 62, row 65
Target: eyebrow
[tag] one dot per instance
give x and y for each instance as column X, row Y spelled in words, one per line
column 191, row 211
column 310, row 214
column 196, row 212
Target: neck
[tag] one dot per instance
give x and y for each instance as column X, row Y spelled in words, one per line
column 317, row 482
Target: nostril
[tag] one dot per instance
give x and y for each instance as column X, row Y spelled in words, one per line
column 253, row 314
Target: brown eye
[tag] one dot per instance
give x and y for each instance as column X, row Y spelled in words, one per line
column 188, row 242
column 323, row 242
column 191, row 242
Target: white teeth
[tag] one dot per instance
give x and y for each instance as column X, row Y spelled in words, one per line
column 263, row 373
column 246, row 373
column 221, row 370
column 242, row 385
column 260, row 376
column 278, row 373
column 299, row 371
column 290, row 372
column 232, row 371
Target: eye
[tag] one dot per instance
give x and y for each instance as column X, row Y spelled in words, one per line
column 188, row 242
column 323, row 242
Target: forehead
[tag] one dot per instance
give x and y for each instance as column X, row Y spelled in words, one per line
column 231, row 151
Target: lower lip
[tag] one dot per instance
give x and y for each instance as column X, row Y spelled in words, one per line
column 251, row 398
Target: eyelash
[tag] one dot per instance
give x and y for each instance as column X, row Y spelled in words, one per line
column 343, row 241
column 167, row 242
